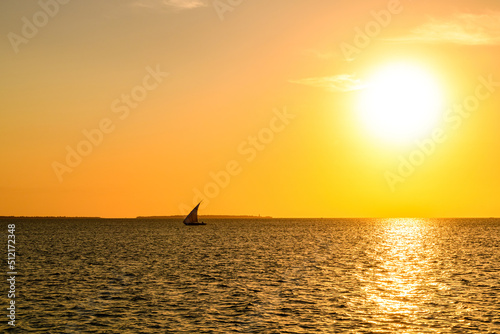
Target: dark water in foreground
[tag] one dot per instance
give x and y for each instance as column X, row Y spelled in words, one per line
column 243, row 276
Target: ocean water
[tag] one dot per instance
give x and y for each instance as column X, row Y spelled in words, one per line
column 255, row 276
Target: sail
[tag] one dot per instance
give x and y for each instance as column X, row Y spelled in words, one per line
column 193, row 216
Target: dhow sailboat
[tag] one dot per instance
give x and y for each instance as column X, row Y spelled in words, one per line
column 192, row 218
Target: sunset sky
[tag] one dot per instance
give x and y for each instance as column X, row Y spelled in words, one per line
column 286, row 108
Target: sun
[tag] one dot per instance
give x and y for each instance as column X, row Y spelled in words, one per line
column 401, row 103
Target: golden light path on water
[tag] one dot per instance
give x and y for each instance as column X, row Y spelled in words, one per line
column 400, row 282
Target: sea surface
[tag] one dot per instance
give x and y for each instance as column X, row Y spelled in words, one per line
column 255, row 276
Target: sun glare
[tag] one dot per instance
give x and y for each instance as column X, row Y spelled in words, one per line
column 401, row 103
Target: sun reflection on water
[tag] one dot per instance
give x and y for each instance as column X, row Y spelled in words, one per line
column 396, row 283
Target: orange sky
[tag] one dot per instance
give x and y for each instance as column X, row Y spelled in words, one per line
column 253, row 105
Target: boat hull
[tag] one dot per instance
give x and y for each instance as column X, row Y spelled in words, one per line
column 195, row 224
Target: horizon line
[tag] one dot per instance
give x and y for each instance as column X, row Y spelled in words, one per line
column 247, row 216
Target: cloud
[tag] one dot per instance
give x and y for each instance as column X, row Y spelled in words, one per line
column 173, row 4
column 462, row 28
column 336, row 83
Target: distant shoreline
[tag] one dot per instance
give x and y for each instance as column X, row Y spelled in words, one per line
column 206, row 217
column 145, row 217
column 52, row 217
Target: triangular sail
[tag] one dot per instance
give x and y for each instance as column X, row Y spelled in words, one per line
column 193, row 216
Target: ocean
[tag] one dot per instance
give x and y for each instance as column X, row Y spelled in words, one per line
column 254, row 276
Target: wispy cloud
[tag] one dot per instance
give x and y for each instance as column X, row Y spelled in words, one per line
column 173, row 4
column 336, row 83
column 462, row 28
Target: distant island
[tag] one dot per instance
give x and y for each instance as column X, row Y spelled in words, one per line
column 49, row 217
column 205, row 217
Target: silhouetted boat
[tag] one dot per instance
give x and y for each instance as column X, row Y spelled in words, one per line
column 192, row 218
